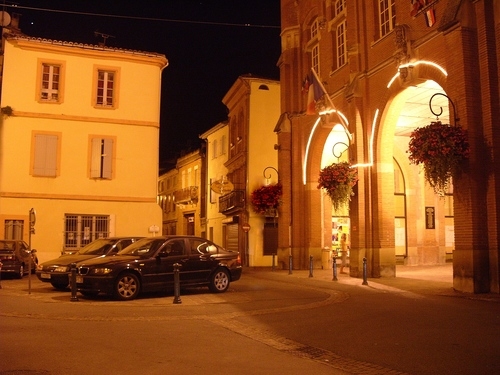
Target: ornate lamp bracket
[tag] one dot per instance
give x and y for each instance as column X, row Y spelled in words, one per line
column 455, row 117
column 337, row 153
column 268, row 176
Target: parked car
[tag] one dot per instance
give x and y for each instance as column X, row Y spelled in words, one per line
column 57, row 271
column 148, row 265
column 16, row 257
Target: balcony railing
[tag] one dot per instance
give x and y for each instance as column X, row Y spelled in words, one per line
column 187, row 195
column 232, row 201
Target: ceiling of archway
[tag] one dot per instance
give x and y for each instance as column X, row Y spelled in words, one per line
column 416, row 112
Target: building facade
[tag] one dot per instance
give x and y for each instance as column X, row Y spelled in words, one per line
column 78, row 142
column 378, row 65
column 217, row 150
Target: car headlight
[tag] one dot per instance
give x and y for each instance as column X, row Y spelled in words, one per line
column 39, row 267
column 62, row 269
column 101, row 271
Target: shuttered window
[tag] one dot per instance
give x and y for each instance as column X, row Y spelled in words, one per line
column 101, row 158
column 45, row 155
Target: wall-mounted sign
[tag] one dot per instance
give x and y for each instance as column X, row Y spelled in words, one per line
column 430, row 218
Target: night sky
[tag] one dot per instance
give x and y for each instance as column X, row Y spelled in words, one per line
column 208, row 44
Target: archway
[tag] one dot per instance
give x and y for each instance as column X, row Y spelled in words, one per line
column 423, row 221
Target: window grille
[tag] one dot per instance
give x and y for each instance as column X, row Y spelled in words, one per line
column 81, row 230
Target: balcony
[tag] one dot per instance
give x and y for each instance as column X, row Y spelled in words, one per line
column 232, row 202
column 187, row 195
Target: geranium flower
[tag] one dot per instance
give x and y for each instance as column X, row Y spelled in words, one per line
column 266, row 197
column 338, row 180
column 441, row 149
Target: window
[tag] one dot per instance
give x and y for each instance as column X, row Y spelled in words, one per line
column 339, row 7
column 387, row 16
column 223, row 145
column 45, row 155
column 101, row 157
column 315, row 58
column 50, row 82
column 341, row 44
column 214, row 149
column 105, row 93
column 314, row 46
column 13, row 229
column 81, row 230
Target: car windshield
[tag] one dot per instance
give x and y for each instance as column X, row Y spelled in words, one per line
column 6, row 245
column 97, row 247
column 144, row 248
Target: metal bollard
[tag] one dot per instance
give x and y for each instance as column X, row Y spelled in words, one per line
column 334, row 268
column 310, row 266
column 74, row 298
column 290, row 265
column 365, row 282
column 177, row 284
column 274, row 260
column 1, row 264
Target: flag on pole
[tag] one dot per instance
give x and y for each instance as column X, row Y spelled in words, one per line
column 314, row 92
column 430, row 17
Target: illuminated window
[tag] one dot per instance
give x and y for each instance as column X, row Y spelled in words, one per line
column 45, row 155
column 101, row 158
column 387, row 16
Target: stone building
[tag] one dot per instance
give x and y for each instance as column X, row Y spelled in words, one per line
column 380, row 69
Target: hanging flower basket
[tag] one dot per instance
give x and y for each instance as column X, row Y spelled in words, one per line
column 442, row 149
column 266, row 198
column 338, row 179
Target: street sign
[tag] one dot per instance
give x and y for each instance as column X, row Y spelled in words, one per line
column 245, row 227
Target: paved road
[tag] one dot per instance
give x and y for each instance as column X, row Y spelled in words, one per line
column 268, row 322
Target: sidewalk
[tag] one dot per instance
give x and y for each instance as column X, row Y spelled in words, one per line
column 427, row 280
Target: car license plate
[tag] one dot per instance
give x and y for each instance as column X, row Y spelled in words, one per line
column 45, row 275
column 79, row 279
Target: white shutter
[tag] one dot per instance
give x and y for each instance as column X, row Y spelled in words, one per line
column 107, row 158
column 45, row 163
column 95, row 158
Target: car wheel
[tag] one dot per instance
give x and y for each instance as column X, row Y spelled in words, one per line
column 220, row 281
column 59, row 286
column 127, row 286
column 21, row 272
